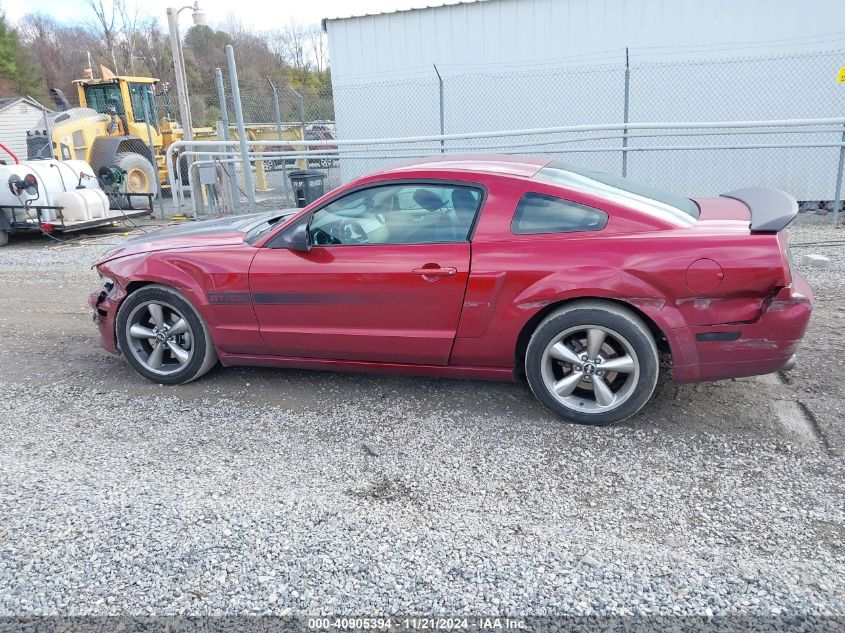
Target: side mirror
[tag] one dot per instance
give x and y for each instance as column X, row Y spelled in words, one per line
column 297, row 239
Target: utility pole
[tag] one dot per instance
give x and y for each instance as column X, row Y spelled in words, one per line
column 239, row 117
column 182, row 78
column 179, row 70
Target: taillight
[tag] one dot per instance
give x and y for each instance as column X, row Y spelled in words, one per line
column 789, row 265
column 790, row 295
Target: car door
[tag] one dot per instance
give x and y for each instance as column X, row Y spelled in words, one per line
column 384, row 280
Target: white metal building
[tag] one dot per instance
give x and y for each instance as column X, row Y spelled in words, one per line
column 17, row 115
column 510, row 64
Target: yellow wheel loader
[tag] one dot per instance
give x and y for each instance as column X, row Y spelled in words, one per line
column 110, row 130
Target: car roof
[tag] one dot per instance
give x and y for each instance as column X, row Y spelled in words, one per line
column 525, row 166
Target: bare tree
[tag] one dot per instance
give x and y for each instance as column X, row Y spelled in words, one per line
column 134, row 28
column 60, row 51
column 38, row 34
column 290, row 46
column 107, row 23
column 319, row 48
column 153, row 48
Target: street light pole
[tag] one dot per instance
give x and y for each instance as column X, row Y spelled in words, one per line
column 179, row 71
column 182, row 79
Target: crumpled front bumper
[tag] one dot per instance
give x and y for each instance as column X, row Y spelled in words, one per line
column 105, row 305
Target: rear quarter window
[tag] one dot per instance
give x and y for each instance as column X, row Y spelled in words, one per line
column 538, row 213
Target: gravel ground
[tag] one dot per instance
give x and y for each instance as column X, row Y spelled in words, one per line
column 291, row 492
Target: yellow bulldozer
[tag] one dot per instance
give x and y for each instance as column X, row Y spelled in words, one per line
column 114, row 126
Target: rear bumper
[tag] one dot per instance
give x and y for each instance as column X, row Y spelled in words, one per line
column 105, row 307
column 765, row 346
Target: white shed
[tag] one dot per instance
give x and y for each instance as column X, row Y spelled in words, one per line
column 513, row 64
column 17, row 116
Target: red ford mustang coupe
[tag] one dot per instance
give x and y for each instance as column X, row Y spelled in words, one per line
column 484, row 267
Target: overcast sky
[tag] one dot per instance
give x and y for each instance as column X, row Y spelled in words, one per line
column 259, row 14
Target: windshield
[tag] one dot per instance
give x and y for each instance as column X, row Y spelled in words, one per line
column 618, row 189
column 143, row 104
column 104, row 97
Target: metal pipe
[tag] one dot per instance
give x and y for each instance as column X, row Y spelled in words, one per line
column 179, row 68
column 425, row 151
column 239, row 116
column 194, row 168
column 442, row 110
column 49, row 130
column 625, row 115
column 837, row 195
column 149, row 126
column 497, row 147
column 710, row 125
column 301, row 108
column 181, row 90
column 278, row 114
column 659, row 135
column 224, row 118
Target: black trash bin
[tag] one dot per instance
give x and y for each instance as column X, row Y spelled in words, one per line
column 307, row 186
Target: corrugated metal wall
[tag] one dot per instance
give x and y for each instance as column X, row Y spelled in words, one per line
column 497, row 35
column 536, row 63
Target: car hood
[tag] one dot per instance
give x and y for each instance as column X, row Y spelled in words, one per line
column 227, row 231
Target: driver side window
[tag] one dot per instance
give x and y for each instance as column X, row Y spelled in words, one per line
column 398, row 214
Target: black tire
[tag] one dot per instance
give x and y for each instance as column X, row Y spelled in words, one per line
column 623, row 328
column 183, row 170
column 140, row 177
column 4, row 238
column 203, row 355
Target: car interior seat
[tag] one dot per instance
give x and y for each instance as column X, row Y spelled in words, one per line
column 465, row 204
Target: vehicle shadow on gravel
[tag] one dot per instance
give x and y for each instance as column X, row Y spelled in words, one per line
column 733, row 407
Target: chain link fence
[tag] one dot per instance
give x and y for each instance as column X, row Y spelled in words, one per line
column 723, row 89
column 800, row 159
column 276, row 113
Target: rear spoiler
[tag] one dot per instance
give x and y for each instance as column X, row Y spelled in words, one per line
column 771, row 209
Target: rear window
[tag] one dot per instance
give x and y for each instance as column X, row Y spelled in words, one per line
column 621, row 190
column 539, row 213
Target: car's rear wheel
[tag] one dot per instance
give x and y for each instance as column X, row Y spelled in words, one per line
column 163, row 337
column 592, row 362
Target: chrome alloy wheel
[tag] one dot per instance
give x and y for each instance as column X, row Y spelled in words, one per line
column 159, row 337
column 590, row 368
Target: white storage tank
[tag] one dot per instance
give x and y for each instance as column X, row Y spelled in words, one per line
column 54, row 178
column 83, row 204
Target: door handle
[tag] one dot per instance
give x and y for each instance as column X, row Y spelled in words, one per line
column 436, row 272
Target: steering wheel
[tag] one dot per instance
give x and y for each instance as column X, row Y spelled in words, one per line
column 320, row 238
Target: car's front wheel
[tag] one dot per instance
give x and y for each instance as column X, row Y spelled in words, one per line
column 592, row 362
column 163, row 337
